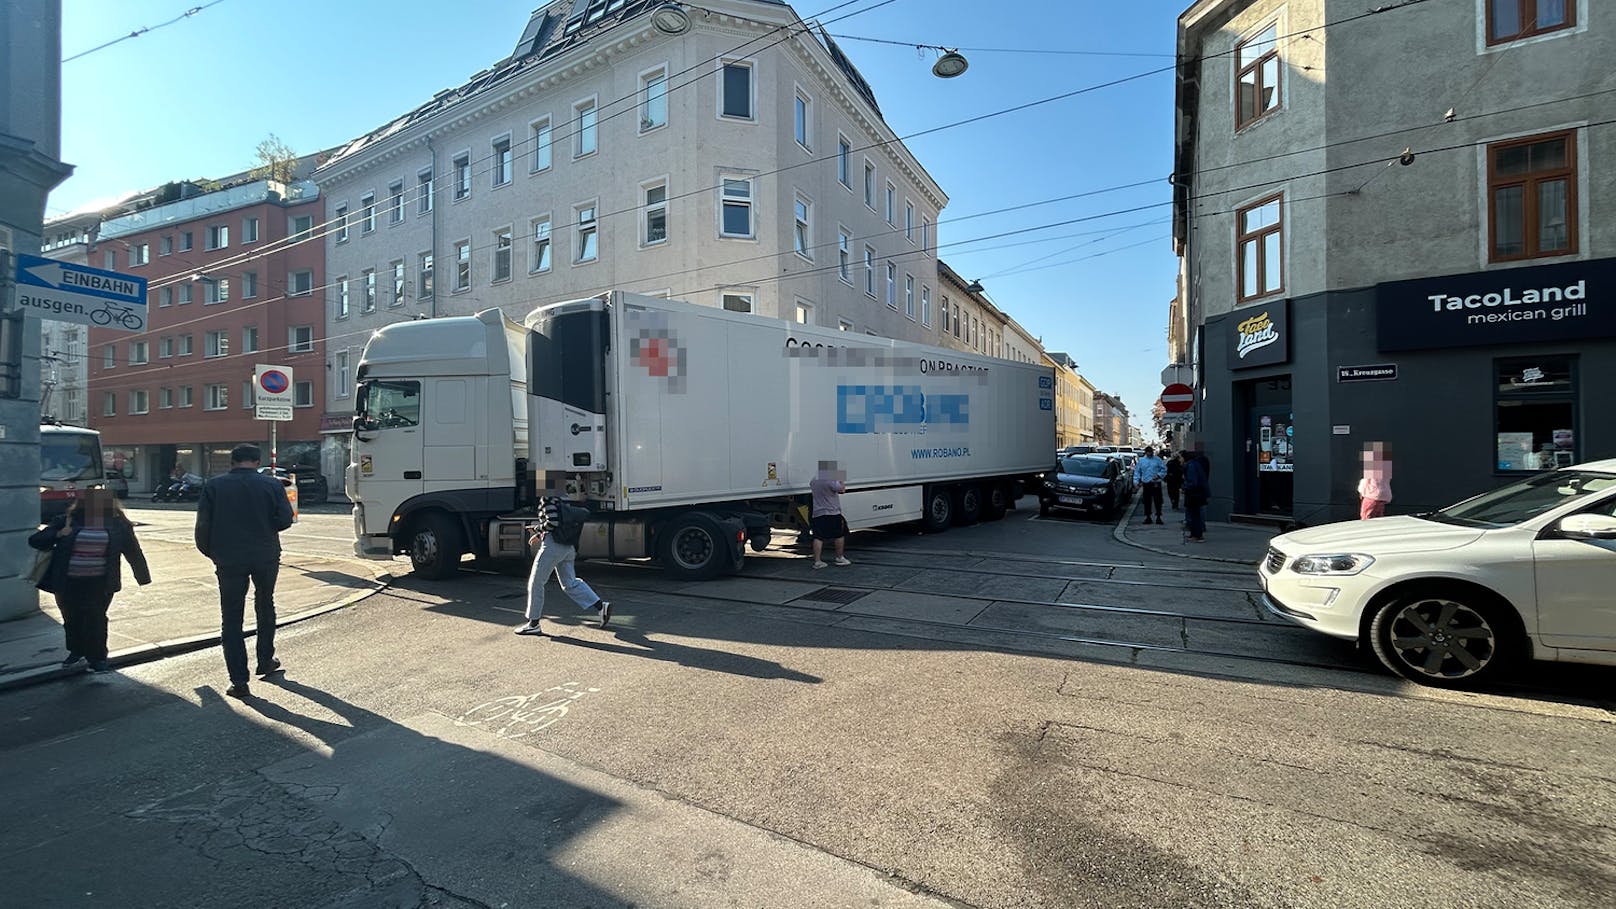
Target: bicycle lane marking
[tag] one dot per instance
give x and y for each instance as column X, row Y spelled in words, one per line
column 515, row 716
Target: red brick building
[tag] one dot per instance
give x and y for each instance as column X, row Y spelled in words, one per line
column 235, row 279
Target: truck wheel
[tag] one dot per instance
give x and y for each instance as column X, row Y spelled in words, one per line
column 939, row 509
column 995, row 502
column 435, row 547
column 970, row 505
column 693, row 548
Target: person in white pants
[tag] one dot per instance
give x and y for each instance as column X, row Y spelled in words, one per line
column 558, row 557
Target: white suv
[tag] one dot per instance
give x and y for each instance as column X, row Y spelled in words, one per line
column 1452, row 597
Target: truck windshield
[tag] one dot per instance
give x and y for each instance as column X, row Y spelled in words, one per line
column 67, row 456
column 389, row 405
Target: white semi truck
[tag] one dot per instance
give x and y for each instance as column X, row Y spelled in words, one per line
column 689, row 431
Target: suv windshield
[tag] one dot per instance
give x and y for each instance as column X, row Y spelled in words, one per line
column 1525, row 500
column 1083, row 467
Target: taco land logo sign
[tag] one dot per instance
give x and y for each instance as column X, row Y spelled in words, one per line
column 1255, row 333
column 1260, row 336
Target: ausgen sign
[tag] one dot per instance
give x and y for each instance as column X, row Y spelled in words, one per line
column 79, row 294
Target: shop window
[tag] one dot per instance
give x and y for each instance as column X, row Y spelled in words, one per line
column 1535, row 413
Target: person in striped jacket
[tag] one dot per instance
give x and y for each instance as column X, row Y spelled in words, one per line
column 556, row 536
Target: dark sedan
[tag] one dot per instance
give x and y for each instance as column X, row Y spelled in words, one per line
column 312, row 488
column 1087, row 483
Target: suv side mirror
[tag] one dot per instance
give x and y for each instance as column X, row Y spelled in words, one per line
column 1587, row 527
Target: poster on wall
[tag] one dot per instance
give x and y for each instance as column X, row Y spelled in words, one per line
column 1515, row 451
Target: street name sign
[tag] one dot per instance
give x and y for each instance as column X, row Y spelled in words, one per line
column 1376, row 372
column 65, row 292
column 272, row 392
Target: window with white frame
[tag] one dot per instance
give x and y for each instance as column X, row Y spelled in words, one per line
column 892, row 285
column 342, row 296
column 800, row 233
column 925, row 306
column 805, row 313
column 844, row 255
column 367, row 212
column 249, row 285
column 1259, row 241
column 462, row 255
column 892, row 204
column 300, row 226
column 166, row 246
column 165, row 398
column 249, row 230
column 909, row 296
column 1257, row 75
column 653, row 100
column 216, row 291
column 109, row 404
column 802, row 119
column 588, row 241
column 844, row 161
column 342, row 374
column 248, row 399
column 398, row 283
column 735, row 90
column 423, row 271
column 869, row 272
column 165, row 296
column 186, row 243
column 869, row 184
column 138, row 401
column 925, row 234
column 462, row 176
column 586, row 128
column 185, row 347
column 303, row 394
column 423, row 191
column 165, row 348
column 139, row 253
column 395, row 203
column 342, row 223
column 300, row 339
column 501, row 171
column 942, row 310
column 109, row 259
column 249, row 339
column 539, row 253
column 186, row 398
column 218, row 236
column 735, row 215
column 503, row 240
column 216, row 344
column 184, row 294
column 138, row 353
column 215, row 397
column 909, row 220
column 737, row 301
column 369, row 283
column 541, row 145
column 656, row 213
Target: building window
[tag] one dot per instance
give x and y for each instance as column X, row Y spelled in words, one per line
column 138, row 401
column 502, row 254
column 586, row 126
column 303, row 394
column 342, row 297
column 395, row 203
column 541, row 145
column 653, row 100
column 736, row 204
column 869, row 272
column 165, row 296
column 249, row 230
column 843, row 325
column 398, row 283
column 588, row 249
column 165, row 398
column 109, row 259
column 300, row 339
column 1532, row 197
column 216, row 344
column 423, row 270
column 249, row 339
column 942, row 310
column 248, row 399
column 462, row 250
column 892, row 204
column 656, row 214
column 184, row 292
column 423, row 192
column 925, row 306
column 462, row 172
column 801, row 115
column 869, row 184
column 109, row 404
column 370, row 289
column 800, row 232
column 502, row 161
column 735, row 301
column 1535, row 412
column 925, row 234
column 1511, row 20
column 218, row 237
column 186, row 346
column 909, row 220
column 215, row 397
column 539, row 256
column 139, row 254
column 185, row 397
column 909, row 296
column 844, row 255
column 342, row 374
column 300, row 226
column 216, row 291
column 367, row 212
column 342, row 223
column 736, row 89
column 249, row 285
column 892, row 285
column 1258, row 237
column 805, row 313
column 139, row 353
column 1256, row 78
column 186, row 243
column 844, row 162
column 165, row 246
column 165, row 348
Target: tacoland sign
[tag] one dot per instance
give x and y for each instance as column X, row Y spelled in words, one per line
column 1563, row 302
column 1260, row 336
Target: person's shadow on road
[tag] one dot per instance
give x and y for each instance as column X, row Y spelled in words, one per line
column 693, row 657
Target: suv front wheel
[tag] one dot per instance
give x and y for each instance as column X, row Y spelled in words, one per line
column 1448, row 640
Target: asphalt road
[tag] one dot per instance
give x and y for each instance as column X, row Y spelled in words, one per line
column 1020, row 714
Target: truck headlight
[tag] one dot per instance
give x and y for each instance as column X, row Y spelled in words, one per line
column 1336, row 563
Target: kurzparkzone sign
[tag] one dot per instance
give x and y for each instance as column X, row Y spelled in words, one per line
column 1562, row 302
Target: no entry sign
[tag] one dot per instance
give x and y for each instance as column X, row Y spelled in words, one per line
column 1177, row 398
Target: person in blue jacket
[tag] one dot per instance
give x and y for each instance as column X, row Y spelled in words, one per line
column 1148, row 475
column 1197, row 490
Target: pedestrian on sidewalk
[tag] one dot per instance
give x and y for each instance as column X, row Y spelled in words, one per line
column 85, row 544
column 826, row 518
column 1197, row 490
column 1175, row 476
column 1148, row 475
column 239, row 519
column 556, row 537
column 1375, row 488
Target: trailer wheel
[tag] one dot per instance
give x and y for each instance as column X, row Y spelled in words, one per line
column 970, row 505
column 995, row 502
column 693, row 548
column 939, row 509
column 435, row 546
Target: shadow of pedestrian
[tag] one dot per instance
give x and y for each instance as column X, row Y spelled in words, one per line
column 693, row 657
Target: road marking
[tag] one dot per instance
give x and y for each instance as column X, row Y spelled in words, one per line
column 517, row 715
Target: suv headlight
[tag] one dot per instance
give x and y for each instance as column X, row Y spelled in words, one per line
column 1338, row 563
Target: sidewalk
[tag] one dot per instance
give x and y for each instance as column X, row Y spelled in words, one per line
column 1241, row 544
column 179, row 611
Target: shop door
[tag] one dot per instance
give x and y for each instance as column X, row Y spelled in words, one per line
column 1273, row 444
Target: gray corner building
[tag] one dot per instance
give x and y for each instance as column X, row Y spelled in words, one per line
column 1394, row 224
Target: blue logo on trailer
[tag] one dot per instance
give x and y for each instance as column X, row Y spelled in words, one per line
column 865, row 409
column 1046, row 404
column 1046, row 381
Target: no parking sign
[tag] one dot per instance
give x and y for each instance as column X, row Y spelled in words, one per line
column 273, row 392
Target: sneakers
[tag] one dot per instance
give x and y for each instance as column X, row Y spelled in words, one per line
column 605, row 610
column 818, row 565
column 100, row 666
column 238, row 690
column 269, row 668
column 72, row 658
column 843, row 560
column 530, row 627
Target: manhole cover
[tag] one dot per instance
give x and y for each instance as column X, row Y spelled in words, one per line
column 842, row 595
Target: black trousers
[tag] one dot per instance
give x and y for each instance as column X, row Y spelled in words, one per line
column 84, row 603
column 1172, row 492
column 1152, row 499
column 233, row 581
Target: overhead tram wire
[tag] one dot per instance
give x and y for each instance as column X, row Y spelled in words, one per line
column 143, row 30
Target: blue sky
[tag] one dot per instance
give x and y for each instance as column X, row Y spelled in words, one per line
column 194, row 98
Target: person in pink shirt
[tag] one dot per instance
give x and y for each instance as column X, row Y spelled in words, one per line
column 1375, row 488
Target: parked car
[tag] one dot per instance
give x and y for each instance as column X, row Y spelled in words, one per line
column 312, row 488
column 1070, row 450
column 1087, row 483
column 1454, row 597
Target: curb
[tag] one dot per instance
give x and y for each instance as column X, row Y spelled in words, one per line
column 1120, row 534
column 147, row 653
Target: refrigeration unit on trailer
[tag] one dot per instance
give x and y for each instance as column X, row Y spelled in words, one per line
column 692, row 431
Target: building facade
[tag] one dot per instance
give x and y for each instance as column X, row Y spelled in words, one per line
column 1110, row 420
column 607, row 154
column 231, row 284
column 1360, row 263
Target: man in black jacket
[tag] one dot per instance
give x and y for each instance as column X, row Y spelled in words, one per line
column 238, row 523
